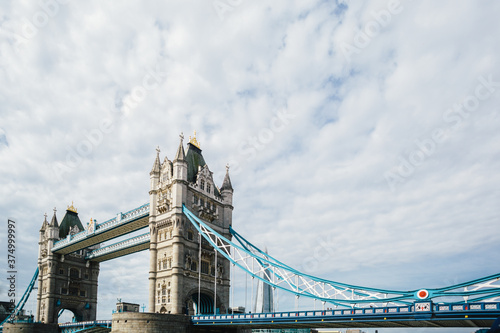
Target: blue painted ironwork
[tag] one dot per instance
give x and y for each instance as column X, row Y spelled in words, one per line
column 119, row 220
column 119, row 246
column 279, row 275
column 439, row 312
column 20, row 305
column 83, row 325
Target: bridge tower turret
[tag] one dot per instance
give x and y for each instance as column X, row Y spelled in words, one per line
column 180, row 280
column 180, row 165
column 153, row 199
column 65, row 282
column 226, row 191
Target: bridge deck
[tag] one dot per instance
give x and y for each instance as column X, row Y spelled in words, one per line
column 481, row 315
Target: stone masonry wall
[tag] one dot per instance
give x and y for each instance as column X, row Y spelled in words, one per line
column 143, row 322
column 30, row 328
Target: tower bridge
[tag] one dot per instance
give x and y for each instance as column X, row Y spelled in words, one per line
column 193, row 248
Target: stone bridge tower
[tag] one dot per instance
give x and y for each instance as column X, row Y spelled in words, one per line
column 175, row 264
column 68, row 281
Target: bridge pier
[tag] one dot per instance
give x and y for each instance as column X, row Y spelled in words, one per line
column 145, row 322
column 30, row 328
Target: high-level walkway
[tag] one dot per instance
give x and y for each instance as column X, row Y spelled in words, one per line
column 120, row 225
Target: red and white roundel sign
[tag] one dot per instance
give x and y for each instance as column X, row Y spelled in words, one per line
column 422, row 294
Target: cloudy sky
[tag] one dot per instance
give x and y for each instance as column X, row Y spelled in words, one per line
column 363, row 136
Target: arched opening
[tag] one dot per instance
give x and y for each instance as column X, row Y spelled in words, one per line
column 206, row 304
column 68, row 316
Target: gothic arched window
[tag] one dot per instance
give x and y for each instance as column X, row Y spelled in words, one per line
column 163, row 294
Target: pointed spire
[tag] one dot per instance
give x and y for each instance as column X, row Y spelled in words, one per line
column 53, row 222
column 156, row 165
column 226, row 184
column 45, row 224
column 180, row 156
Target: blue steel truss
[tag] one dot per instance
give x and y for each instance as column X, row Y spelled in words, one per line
column 20, row 305
column 278, row 275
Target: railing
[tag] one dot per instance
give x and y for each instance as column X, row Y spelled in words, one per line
column 344, row 313
column 121, row 218
column 141, row 239
column 84, row 324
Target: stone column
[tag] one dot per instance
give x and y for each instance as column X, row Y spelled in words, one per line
column 153, row 255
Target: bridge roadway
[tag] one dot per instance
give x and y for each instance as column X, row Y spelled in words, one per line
column 120, row 225
column 474, row 315
column 441, row 315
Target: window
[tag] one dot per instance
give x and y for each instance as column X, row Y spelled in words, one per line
column 202, row 184
column 202, row 203
column 190, row 234
column 82, row 293
column 205, row 267
column 193, row 266
column 163, row 294
column 61, row 271
column 208, row 188
column 64, row 291
column 168, row 299
column 74, row 273
column 86, row 276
